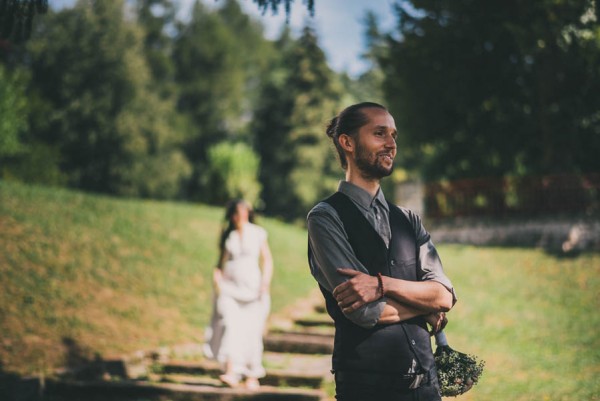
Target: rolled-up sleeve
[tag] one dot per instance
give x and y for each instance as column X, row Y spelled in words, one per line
column 329, row 251
column 429, row 259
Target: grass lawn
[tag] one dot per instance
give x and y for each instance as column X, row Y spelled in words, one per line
column 532, row 317
column 84, row 275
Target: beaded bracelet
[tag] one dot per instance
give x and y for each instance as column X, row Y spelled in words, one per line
column 380, row 281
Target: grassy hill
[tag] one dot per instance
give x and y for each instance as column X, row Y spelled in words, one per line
column 83, row 275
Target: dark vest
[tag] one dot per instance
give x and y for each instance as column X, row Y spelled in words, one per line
column 383, row 348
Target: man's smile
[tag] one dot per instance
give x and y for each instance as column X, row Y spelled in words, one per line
column 387, row 157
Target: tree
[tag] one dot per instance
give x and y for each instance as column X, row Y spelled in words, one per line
column 297, row 164
column 218, row 57
column 273, row 5
column 495, row 88
column 21, row 156
column 369, row 85
column 232, row 173
column 156, row 17
column 13, row 113
column 96, row 105
column 16, row 17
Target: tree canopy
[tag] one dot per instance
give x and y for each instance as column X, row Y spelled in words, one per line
column 88, row 68
column 496, row 87
column 274, row 5
column 289, row 125
column 16, row 17
column 123, row 97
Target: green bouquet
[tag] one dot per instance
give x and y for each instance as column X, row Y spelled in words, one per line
column 457, row 372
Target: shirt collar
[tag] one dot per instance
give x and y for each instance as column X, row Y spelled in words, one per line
column 362, row 197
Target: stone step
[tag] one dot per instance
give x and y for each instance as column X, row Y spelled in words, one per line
column 316, row 320
column 298, row 343
column 323, row 331
column 182, row 378
column 204, row 367
column 132, row 390
column 320, row 308
column 273, row 379
column 295, row 370
column 299, row 364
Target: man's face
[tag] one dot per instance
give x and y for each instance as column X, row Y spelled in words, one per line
column 376, row 145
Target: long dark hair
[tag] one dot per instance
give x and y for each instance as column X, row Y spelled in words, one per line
column 348, row 122
column 230, row 210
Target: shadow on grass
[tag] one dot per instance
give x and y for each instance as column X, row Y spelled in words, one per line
column 75, row 355
column 560, row 254
column 14, row 387
column 79, row 362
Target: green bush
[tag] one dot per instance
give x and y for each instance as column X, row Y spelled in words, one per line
column 232, row 173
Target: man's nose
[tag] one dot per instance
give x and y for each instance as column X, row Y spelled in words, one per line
column 390, row 142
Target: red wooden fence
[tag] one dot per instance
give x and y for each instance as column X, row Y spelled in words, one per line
column 514, row 196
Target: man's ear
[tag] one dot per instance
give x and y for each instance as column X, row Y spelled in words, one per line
column 346, row 142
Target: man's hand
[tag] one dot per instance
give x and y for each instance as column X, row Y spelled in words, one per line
column 356, row 292
column 437, row 320
column 468, row 385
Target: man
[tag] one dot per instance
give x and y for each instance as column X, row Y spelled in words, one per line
column 378, row 270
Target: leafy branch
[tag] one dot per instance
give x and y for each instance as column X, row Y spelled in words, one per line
column 16, row 17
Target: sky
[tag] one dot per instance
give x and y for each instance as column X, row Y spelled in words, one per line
column 338, row 24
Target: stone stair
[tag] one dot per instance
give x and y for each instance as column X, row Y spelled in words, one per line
column 283, row 369
column 143, row 390
column 297, row 359
column 300, row 343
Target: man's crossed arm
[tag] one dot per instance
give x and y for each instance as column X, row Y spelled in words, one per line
column 404, row 299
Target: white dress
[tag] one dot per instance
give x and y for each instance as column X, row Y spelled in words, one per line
column 239, row 312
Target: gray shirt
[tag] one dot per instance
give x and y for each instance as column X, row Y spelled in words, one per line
column 331, row 250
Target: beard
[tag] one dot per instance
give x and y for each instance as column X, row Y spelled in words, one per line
column 371, row 169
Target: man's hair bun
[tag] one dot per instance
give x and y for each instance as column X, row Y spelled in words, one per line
column 331, row 127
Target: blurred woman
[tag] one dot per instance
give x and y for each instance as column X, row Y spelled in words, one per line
column 241, row 281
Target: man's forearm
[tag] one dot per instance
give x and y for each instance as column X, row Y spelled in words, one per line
column 425, row 296
column 395, row 312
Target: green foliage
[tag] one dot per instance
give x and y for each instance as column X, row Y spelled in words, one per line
column 131, row 104
column 274, row 5
column 38, row 164
column 16, row 17
column 298, row 166
column 89, row 71
column 207, row 72
column 13, row 112
column 369, row 85
column 156, row 17
column 233, row 173
column 219, row 56
column 21, row 158
column 456, row 370
column 495, row 87
column 156, row 166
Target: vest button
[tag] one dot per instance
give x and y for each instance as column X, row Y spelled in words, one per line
column 392, row 262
